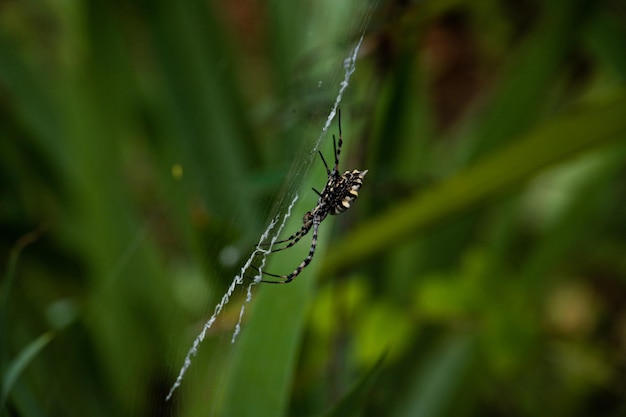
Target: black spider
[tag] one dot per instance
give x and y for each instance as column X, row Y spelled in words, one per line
column 338, row 194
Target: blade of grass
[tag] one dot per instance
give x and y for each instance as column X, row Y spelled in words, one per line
column 17, row 366
column 432, row 391
column 34, row 103
column 266, row 351
column 9, row 277
column 521, row 96
column 355, row 400
column 604, row 36
column 265, row 355
column 202, row 98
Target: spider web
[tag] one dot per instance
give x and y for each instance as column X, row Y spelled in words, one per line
column 349, row 66
column 335, row 91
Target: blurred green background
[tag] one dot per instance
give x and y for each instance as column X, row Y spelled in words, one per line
column 145, row 146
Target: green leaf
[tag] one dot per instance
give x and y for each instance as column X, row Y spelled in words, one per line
column 266, row 351
column 19, row 364
column 353, row 402
column 434, row 385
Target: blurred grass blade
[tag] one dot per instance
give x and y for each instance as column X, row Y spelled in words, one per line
column 266, row 351
column 9, row 277
column 203, row 100
column 33, row 104
column 605, row 37
column 16, row 368
column 353, row 402
column 434, row 384
column 501, row 171
column 265, row 354
column 520, row 98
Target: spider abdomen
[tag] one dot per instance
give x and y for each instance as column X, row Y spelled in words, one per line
column 345, row 190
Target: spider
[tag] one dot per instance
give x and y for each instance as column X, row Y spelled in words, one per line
column 336, row 197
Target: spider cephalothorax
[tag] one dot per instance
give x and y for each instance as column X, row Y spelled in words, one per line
column 336, row 197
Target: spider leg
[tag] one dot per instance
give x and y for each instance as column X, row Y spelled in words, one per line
column 290, row 244
column 336, row 168
column 290, row 238
column 324, row 161
column 264, row 273
column 286, row 279
column 337, row 147
column 265, row 244
column 293, row 239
